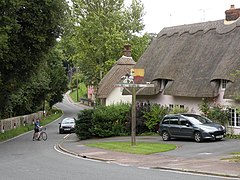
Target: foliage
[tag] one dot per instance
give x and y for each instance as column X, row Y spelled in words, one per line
column 154, row 116
column 178, row 110
column 110, row 120
column 28, row 32
column 57, row 77
column 215, row 112
column 103, row 27
column 82, row 92
column 204, row 106
column 84, row 124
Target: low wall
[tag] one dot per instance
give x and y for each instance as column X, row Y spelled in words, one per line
column 233, row 130
column 11, row 123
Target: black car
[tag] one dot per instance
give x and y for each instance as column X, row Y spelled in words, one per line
column 192, row 126
column 67, row 125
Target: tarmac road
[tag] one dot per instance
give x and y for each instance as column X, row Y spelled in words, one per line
column 202, row 158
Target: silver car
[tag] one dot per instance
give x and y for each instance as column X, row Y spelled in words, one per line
column 67, row 125
column 192, row 126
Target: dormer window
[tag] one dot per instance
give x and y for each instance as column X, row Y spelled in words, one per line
column 163, row 84
column 223, row 83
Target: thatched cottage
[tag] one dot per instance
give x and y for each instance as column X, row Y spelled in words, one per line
column 190, row 62
column 107, row 92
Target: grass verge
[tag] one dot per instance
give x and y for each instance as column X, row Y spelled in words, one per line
column 22, row 129
column 141, row 147
column 234, row 158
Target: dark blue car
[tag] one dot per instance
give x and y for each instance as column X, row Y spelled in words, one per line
column 192, row 126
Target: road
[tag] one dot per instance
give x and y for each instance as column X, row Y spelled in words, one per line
column 24, row 159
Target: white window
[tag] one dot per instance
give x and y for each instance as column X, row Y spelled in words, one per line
column 181, row 106
column 171, row 106
column 223, row 83
column 234, row 118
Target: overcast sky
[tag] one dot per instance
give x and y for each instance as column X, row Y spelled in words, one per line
column 164, row 13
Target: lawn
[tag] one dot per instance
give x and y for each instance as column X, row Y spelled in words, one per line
column 141, row 147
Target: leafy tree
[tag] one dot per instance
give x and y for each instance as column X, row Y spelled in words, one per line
column 28, row 31
column 102, row 28
column 58, row 78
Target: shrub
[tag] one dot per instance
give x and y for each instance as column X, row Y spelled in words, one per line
column 154, row 116
column 214, row 112
column 84, row 124
column 178, row 110
column 110, row 120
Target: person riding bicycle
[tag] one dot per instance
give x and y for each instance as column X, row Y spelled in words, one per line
column 37, row 128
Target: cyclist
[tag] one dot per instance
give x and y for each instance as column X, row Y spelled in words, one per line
column 36, row 130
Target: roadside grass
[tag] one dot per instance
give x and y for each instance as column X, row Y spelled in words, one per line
column 144, row 148
column 23, row 129
column 81, row 92
column 234, row 158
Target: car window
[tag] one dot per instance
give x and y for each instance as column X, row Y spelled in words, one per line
column 174, row 120
column 184, row 121
column 165, row 121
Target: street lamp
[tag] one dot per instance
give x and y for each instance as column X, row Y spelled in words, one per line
column 77, row 83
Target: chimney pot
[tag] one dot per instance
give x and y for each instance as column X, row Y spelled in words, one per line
column 232, row 14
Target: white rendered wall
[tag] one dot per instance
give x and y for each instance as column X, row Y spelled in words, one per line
column 191, row 103
column 116, row 97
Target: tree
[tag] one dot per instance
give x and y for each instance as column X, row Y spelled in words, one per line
column 28, row 31
column 102, row 28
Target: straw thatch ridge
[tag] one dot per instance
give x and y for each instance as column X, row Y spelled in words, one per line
column 194, row 58
column 121, row 68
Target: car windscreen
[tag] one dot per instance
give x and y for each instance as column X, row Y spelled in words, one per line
column 198, row 120
column 68, row 121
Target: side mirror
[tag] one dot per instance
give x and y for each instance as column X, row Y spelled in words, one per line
column 187, row 125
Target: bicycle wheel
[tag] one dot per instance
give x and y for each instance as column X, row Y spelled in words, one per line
column 44, row 136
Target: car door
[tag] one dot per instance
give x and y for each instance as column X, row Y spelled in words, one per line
column 174, row 127
column 186, row 129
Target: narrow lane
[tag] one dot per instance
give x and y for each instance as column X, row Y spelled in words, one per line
column 24, row 159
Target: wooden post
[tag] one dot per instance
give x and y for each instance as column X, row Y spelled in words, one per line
column 133, row 133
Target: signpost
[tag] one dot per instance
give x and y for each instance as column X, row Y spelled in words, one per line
column 128, row 82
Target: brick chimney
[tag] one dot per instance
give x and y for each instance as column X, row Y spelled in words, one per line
column 232, row 14
column 127, row 50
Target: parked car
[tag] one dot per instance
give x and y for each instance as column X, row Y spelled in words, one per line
column 192, row 126
column 67, row 125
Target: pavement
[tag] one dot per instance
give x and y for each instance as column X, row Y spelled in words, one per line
column 210, row 166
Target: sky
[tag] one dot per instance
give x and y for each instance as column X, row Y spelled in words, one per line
column 167, row 13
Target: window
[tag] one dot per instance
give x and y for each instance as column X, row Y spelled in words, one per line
column 174, row 120
column 223, row 83
column 234, row 117
column 183, row 121
column 182, row 106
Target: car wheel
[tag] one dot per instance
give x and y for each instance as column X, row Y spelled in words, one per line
column 197, row 137
column 165, row 136
column 60, row 131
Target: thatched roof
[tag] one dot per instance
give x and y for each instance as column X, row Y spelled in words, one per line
column 121, row 68
column 193, row 58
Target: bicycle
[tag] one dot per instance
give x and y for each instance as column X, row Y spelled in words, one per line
column 43, row 134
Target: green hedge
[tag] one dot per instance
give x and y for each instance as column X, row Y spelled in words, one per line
column 104, row 121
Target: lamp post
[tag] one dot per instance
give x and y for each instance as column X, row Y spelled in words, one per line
column 77, row 83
